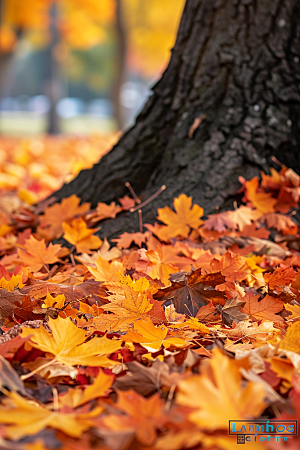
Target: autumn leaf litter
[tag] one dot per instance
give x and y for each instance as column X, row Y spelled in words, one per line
column 157, row 342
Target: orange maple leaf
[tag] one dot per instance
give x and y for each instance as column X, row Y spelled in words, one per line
column 280, row 277
column 179, row 222
column 264, row 309
column 36, row 254
column 129, row 301
column 104, row 211
column 243, row 216
column 54, row 216
column 127, row 202
column 80, row 235
column 280, row 222
column 263, row 201
column 126, row 239
column 142, row 415
column 232, row 266
column 219, row 222
column 164, row 261
column 106, row 271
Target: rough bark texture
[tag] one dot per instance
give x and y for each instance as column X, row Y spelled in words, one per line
column 237, row 63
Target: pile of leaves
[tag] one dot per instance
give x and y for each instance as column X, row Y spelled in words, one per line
column 32, row 168
column 156, row 342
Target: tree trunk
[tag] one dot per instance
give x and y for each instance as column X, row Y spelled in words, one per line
column 235, row 66
column 120, row 64
column 54, row 88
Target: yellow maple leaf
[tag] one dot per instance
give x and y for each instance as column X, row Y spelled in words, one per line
column 218, row 398
column 67, row 345
column 106, row 271
column 16, row 280
column 291, row 340
column 294, row 309
column 36, row 254
column 153, row 337
column 179, row 222
column 80, row 235
column 28, row 417
column 58, row 302
column 129, row 301
column 193, row 324
column 58, row 213
column 78, row 396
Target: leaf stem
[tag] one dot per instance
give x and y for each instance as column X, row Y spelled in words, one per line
column 25, row 377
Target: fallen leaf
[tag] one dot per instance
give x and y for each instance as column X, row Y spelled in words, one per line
column 79, row 396
column 188, row 291
column 231, row 311
column 78, row 234
column 58, row 213
column 204, row 392
column 27, row 418
column 153, row 337
column 264, row 309
column 219, row 222
column 67, row 344
column 243, row 216
column 179, row 222
column 126, row 239
column 36, row 254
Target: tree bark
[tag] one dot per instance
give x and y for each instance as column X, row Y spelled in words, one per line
column 235, row 66
column 120, row 64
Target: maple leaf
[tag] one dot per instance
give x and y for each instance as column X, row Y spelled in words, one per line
column 67, row 345
column 231, row 266
column 73, row 291
column 78, row 396
column 58, row 213
column 280, row 222
column 263, row 201
column 243, row 216
column 203, row 392
column 280, row 277
column 162, row 261
column 207, row 313
column 103, row 211
column 294, row 309
column 127, row 202
column 129, row 301
column 219, row 222
column 105, row 252
column 153, row 337
column 188, row 291
column 36, row 254
column 78, row 234
column 291, row 340
column 28, row 417
column 16, row 280
column 179, row 222
column 142, row 415
column 231, row 311
column 126, row 239
column 55, row 306
column 264, row 309
column 193, row 324
column 105, row 271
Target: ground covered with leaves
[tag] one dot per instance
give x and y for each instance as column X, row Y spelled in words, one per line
column 155, row 342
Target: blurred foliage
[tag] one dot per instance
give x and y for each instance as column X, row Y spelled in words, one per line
column 34, row 167
column 150, row 27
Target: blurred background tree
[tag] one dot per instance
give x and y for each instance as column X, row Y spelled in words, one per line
column 69, row 57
